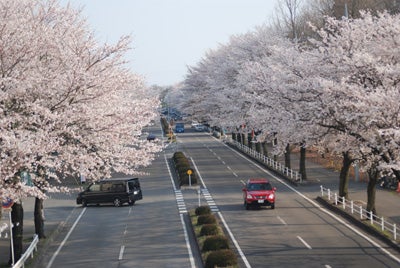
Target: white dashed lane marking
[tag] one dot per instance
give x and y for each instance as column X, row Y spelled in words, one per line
column 180, row 202
column 210, row 201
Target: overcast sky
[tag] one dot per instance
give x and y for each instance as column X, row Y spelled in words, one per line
column 169, row 35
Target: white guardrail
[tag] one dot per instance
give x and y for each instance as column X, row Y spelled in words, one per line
column 28, row 253
column 349, row 205
column 289, row 173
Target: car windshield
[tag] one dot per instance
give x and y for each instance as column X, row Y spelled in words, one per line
column 259, row 186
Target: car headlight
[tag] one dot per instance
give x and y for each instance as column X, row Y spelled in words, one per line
column 249, row 196
column 271, row 196
column 135, row 192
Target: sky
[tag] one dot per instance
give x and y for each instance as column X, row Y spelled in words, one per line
column 170, row 35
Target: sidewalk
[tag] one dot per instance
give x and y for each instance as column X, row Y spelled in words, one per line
column 387, row 202
column 56, row 210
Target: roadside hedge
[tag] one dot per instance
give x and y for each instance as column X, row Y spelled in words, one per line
column 203, row 210
column 209, row 229
column 215, row 242
column 221, row 258
column 182, row 165
column 206, row 219
column 211, row 239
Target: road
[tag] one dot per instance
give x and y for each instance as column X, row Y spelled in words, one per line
column 152, row 233
column 149, row 234
column 298, row 233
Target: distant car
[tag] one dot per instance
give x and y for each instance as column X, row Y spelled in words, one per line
column 259, row 192
column 151, row 137
column 194, row 124
column 180, row 127
column 199, row 127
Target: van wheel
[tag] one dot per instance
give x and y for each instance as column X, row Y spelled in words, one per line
column 117, row 202
column 84, row 203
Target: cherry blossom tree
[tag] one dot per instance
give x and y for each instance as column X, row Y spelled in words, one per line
column 68, row 105
column 338, row 93
column 360, row 96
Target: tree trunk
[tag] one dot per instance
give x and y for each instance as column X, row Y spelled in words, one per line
column 245, row 139
column 302, row 168
column 344, row 175
column 259, row 148
column 265, row 148
column 17, row 219
column 237, row 137
column 39, row 218
column 371, row 190
column 253, row 145
column 287, row 156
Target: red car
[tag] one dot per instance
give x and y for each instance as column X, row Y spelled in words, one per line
column 259, row 192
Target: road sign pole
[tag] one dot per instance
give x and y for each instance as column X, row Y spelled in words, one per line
column 198, row 192
column 11, row 237
column 8, row 206
column 189, row 172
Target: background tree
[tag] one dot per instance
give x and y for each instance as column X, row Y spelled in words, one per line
column 68, row 103
column 359, row 99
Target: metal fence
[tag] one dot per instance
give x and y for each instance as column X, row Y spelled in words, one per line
column 374, row 220
column 28, row 253
column 289, row 173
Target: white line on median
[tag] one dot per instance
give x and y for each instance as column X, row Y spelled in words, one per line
column 191, row 258
column 246, row 262
column 65, row 239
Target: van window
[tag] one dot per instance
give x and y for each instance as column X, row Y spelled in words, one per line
column 133, row 185
column 94, row 188
column 106, row 186
column 118, row 187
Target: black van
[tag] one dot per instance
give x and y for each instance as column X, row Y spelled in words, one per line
column 116, row 190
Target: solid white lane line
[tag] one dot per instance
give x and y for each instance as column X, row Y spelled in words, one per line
column 281, row 220
column 197, row 170
column 182, row 209
column 191, row 258
column 246, row 262
column 65, row 239
column 169, row 172
column 206, row 193
column 121, row 252
column 304, row 242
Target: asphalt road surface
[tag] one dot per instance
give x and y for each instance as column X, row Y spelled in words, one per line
column 153, row 232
